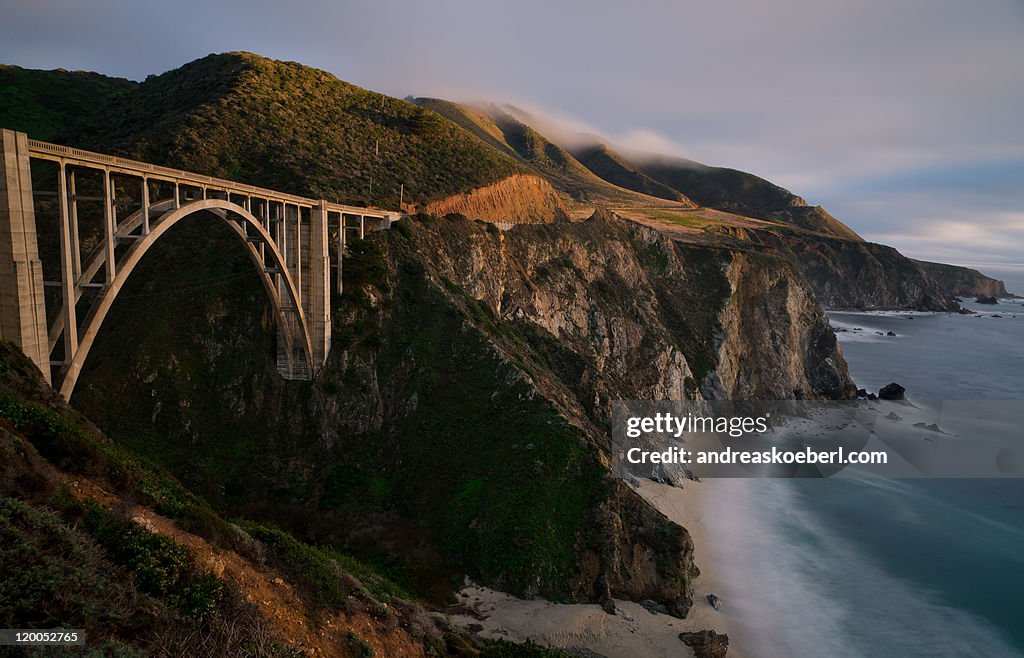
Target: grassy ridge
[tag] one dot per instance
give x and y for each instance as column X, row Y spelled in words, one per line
column 613, row 168
column 291, row 127
column 45, row 103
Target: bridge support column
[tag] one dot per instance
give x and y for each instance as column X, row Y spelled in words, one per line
column 22, row 304
column 319, row 305
column 341, row 250
column 109, row 227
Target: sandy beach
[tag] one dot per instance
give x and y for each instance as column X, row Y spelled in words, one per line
column 632, row 631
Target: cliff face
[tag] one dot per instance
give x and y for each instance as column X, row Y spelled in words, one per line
column 848, row 274
column 460, row 425
column 963, row 281
column 643, row 314
column 112, row 543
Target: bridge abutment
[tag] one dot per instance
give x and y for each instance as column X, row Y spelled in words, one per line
column 22, row 302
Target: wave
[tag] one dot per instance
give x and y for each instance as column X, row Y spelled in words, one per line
column 799, row 588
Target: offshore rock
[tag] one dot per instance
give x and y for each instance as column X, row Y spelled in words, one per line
column 892, row 391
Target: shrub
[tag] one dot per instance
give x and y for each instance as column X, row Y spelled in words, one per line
column 159, row 566
column 358, row 646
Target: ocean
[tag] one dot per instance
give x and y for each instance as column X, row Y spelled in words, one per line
column 879, row 567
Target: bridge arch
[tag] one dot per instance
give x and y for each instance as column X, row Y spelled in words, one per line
column 284, row 297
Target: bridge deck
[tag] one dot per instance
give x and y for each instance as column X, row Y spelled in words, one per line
column 75, row 156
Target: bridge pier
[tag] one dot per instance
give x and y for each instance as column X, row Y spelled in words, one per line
column 318, row 309
column 22, row 303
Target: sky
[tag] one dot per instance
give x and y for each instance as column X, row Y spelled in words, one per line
column 903, row 118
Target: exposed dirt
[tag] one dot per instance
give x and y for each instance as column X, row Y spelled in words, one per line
column 279, row 603
column 518, row 199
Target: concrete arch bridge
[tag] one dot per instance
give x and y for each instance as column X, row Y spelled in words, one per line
column 66, row 251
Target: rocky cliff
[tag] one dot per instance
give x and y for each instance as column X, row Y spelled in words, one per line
column 461, row 423
column 963, row 281
column 851, row 274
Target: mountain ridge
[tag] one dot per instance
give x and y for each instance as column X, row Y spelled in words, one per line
column 284, row 125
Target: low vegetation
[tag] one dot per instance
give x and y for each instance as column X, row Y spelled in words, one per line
column 45, row 103
column 71, row 560
column 291, row 127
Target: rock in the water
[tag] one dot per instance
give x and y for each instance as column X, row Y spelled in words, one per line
column 872, row 397
column 890, row 333
column 862, row 392
column 986, row 300
column 715, row 602
column 965, row 311
column 894, row 416
column 892, row 391
column 706, row 644
column 932, row 427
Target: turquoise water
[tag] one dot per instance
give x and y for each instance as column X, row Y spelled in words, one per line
column 887, row 567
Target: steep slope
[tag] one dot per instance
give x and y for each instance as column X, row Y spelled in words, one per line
column 476, row 120
column 94, row 538
column 964, row 281
column 295, row 128
column 519, row 199
column 741, row 193
column 45, row 103
column 615, row 169
column 502, row 128
column 844, row 274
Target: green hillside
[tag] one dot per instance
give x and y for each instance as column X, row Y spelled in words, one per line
column 44, row 103
column 498, row 127
column 741, row 193
column 291, row 127
column 613, row 168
